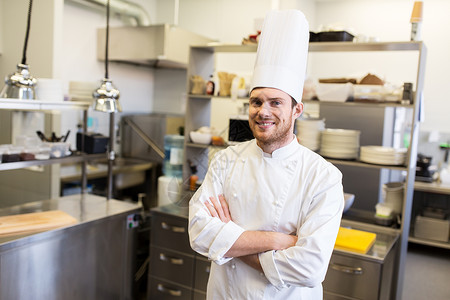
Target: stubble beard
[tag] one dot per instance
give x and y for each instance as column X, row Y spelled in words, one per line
column 275, row 140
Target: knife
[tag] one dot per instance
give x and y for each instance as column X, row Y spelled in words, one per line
column 41, row 136
column 66, row 136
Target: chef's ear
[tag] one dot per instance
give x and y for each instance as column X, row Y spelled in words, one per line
column 297, row 110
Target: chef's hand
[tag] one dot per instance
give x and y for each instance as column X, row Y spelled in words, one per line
column 217, row 210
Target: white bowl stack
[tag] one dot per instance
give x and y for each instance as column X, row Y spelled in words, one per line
column 334, row 92
column 383, row 155
column 340, row 143
column 82, row 90
column 309, row 131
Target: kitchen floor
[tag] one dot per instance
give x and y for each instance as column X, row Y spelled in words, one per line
column 427, row 273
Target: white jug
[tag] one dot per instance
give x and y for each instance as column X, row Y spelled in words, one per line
column 393, row 196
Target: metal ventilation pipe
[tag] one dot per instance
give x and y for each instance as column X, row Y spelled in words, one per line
column 129, row 11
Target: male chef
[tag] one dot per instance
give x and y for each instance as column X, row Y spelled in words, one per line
column 268, row 211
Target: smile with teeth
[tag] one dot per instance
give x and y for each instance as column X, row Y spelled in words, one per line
column 265, row 123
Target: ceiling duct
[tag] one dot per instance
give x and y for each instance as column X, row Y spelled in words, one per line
column 131, row 13
column 158, row 46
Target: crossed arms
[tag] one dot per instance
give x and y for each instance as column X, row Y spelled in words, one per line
column 249, row 243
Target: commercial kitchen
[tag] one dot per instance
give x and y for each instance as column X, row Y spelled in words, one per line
column 111, row 111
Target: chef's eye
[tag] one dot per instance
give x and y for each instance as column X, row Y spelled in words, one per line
column 276, row 103
column 255, row 102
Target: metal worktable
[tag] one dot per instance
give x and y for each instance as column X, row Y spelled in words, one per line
column 92, row 259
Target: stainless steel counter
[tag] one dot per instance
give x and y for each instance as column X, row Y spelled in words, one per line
column 93, row 259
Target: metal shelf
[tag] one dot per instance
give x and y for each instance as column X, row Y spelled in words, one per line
column 19, row 104
column 195, row 145
column 231, row 48
column 348, row 103
column 361, row 164
column 360, row 104
column 432, row 187
column 62, row 160
column 377, row 46
column 429, row 242
column 365, row 220
column 322, row 47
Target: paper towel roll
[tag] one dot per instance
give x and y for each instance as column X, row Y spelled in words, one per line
column 169, row 190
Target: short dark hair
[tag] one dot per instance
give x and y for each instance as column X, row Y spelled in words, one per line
column 293, row 103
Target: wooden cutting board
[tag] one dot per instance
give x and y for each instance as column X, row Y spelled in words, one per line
column 34, row 222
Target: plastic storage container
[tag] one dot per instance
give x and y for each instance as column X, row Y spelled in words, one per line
column 58, row 149
column 43, row 152
column 174, row 156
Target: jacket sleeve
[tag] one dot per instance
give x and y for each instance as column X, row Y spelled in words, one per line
column 208, row 235
column 306, row 263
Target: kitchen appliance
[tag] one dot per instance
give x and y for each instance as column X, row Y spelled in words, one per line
column 239, row 129
column 160, row 45
column 423, row 172
column 93, row 142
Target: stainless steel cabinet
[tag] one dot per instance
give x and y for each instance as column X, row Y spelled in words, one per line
column 176, row 271
column 357, row 278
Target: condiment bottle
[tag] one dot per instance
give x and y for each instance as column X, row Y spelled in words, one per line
column 416, row 21
column 210, row 86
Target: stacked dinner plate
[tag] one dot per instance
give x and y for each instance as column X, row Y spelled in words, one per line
column 82, row 90
column 49, row 89
column 340, row 143
column 308, row 132
column 383, row 155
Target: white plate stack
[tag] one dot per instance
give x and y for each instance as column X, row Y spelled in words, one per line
column 82, row 90
column 309, row 131
column 381, row 155
column 49, row 89
column 340, row 143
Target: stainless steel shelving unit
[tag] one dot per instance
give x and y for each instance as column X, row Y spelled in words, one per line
column 434, row 188
column 42, row 105
column 202, row 60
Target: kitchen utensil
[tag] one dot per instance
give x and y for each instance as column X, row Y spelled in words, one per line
column 66, row 136
column 42, row 136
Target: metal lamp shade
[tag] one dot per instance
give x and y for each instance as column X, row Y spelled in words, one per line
column 19, row 85
column 107, row 98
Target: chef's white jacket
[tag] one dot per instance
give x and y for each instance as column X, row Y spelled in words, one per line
column 294, row 191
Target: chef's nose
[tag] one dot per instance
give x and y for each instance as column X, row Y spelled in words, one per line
column 264, row 110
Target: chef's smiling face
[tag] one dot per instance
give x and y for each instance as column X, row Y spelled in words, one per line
column 271, row 117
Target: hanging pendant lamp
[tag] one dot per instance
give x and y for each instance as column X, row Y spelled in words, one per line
column 107, row 96
column 20, row 84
